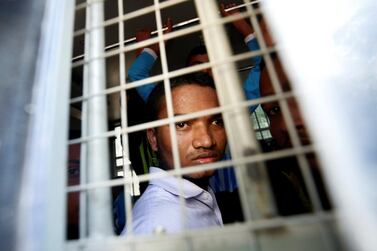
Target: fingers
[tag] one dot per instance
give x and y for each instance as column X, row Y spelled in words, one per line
column 222, row 10
column 143, row 34
column 225, row 7
column 168, row 25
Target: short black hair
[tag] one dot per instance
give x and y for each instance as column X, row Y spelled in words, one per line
column 158, row 93
column 198, row 50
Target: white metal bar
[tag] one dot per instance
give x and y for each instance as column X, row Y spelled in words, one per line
column 42, row 216
column 83, row 207
column 99, row 207
column 239, row 130
column 171, row 35
column 277, row 226
column 128, row 16
column 183, row 171
column 161, row 122
column 175, row 26
column 170, row 111
column 303, row 163
column 339, row 91
column 124, row 122
column 175, row 73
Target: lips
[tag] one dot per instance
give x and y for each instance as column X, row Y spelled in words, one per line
column 206, row 157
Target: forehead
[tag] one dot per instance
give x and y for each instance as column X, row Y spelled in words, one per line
column 191, row 98
column 266, row 87
column 198, row 59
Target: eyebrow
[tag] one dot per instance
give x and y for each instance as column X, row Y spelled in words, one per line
column 210, row 115
column 286, row 87
column 196, row 62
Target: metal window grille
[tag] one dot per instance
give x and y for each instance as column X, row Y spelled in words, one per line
column 89, row 131
column 95, row 182
column 261, row 124
column 95, row 202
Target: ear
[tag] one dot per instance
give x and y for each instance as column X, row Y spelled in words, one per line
column 152, row 138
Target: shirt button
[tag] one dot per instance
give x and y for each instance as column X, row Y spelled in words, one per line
column 206, row 196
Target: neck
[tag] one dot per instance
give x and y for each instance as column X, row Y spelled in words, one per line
column 203, row 183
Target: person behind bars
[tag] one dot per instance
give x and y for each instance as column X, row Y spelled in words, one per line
column 291, row 195
column 224, row 181
column 200, row 140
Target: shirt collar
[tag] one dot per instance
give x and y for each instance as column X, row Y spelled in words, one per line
column 171, row 184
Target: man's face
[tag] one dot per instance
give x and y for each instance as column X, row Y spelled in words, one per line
column 200, row 59
column 278, row 127
column 201, row 140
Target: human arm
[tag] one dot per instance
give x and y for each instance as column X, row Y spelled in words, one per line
column 241, row 25
column 140, row 69
column 251, row 84
column 144, row 62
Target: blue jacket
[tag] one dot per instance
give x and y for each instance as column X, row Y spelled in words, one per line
column 142, row 66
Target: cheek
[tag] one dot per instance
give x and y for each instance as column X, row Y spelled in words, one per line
column 163, row 140
column 277, row 125
column 222, row 139
column 184, row 141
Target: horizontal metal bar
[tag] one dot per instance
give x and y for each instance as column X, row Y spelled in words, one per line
column 198, row 168
column 239, row 228
column 175, row 27
column 167, row 36
column 172, row 74
column 129, row 16
column 246, row 68
column 161, row 122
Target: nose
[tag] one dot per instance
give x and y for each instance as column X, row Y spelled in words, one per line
column 202, row 137
column 297, row 118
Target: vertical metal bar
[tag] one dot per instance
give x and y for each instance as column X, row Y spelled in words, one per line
column 253, row 181
column 124, row 122
column 333, row 95
column 43, row 201
column 170, row 110
column 303, row 163
column 99, row 210
column 175, row 26
column 83, row 207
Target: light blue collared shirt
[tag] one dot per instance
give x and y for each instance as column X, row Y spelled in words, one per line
column 158, row 209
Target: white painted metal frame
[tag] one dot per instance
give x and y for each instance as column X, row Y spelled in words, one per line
column 224, row 72
column 124, row 123
column 342, row 88
column 43, row 199
column 99, row 200
column 294, row 137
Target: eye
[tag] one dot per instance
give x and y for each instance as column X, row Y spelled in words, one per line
column 73, row 172
column 181, row 125
column 218, row 122
column 275, row 110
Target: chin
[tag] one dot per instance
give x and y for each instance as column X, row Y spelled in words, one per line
column 200, row 175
